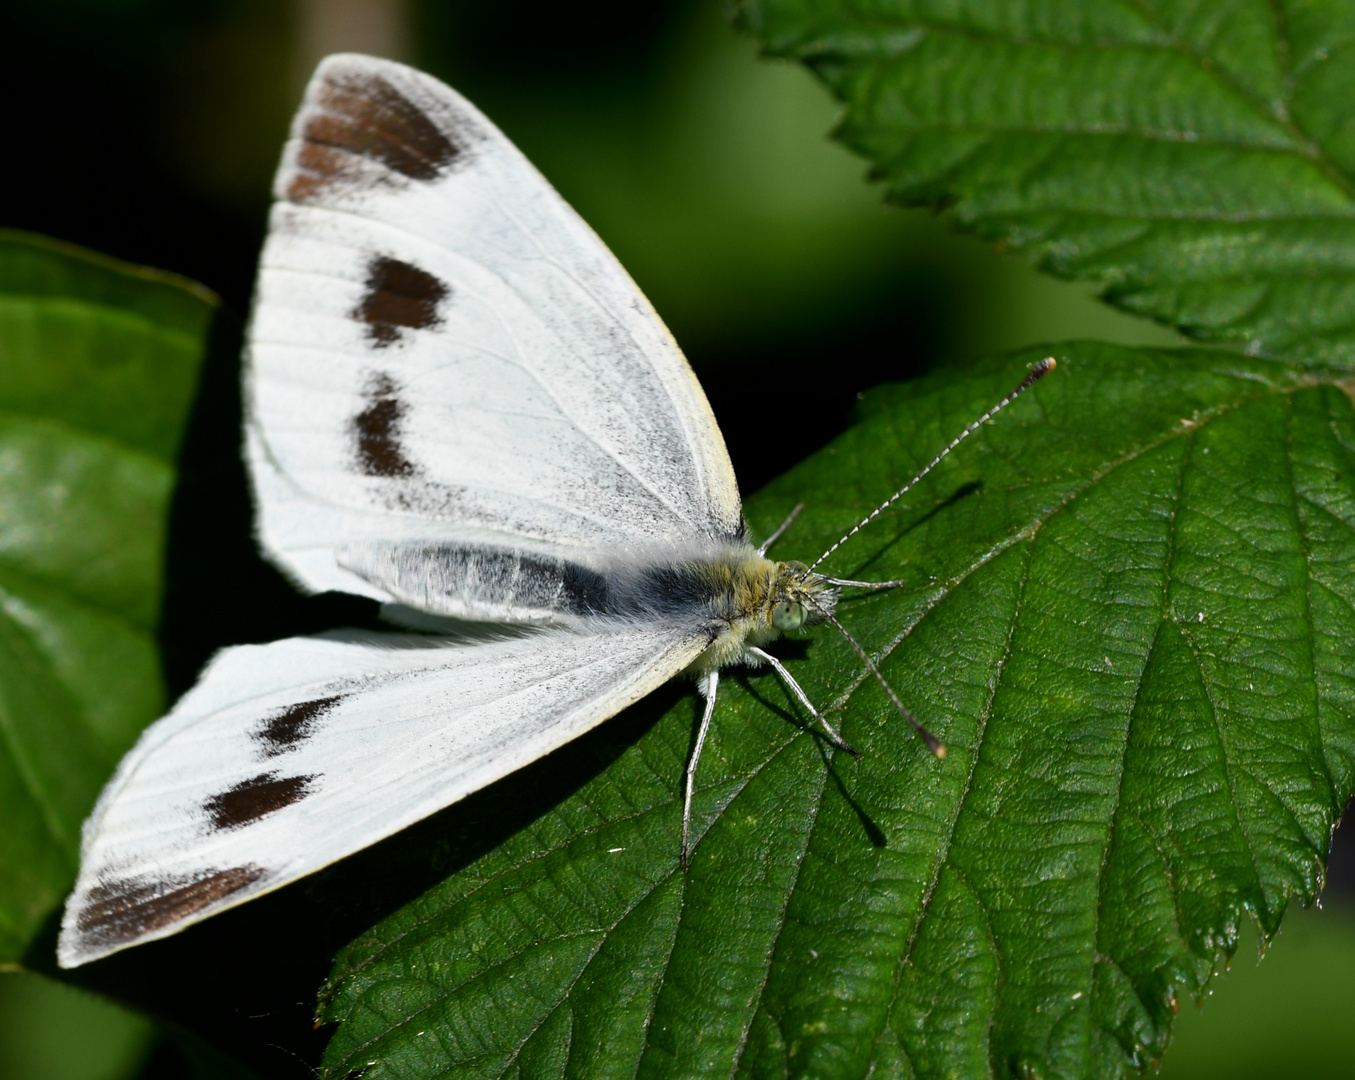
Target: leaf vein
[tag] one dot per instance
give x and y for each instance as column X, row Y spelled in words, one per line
column 943, row 852
column 1306, row 545
column 1229, row 766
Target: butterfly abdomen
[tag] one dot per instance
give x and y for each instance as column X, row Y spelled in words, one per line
column 481, row 582
column 710, row 589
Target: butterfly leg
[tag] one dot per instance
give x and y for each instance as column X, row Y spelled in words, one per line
column 789, row 680
column 780, row 529
column 712, row 684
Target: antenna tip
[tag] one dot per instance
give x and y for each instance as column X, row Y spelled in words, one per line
column 940, row 751
column 1045, row 366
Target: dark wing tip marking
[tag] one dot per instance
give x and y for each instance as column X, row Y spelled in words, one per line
column 294, row 724
column 398, row 296
column 256, row 797
column 362, row 115
column 119, row 912
column 377, row 430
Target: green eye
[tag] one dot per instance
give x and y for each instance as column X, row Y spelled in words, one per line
column 788, row 615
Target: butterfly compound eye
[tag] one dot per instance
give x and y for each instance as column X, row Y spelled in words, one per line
column 788, row 615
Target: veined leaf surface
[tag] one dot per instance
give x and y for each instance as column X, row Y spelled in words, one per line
column 1124, row 613
column 1199, row 159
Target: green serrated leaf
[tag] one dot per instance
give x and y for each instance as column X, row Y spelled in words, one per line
column 1199, row 159
column 1123, row 611
column 98, row 362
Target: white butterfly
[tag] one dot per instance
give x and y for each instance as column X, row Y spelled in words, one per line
column 458, row 404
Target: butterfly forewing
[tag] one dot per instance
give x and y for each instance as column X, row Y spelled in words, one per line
column 442, row 350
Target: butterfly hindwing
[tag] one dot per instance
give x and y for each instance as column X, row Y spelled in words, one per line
column 289, row 756
column 442, row 351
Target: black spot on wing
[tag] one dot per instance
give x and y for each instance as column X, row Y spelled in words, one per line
column 398, row 296
column 377, row 430
column 294, row 724
column 256, row 797
column 120, row 911
column 361, row 118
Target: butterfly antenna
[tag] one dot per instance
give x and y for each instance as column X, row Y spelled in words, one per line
column 780, row 529
column 935, row 745
column 1038, row 372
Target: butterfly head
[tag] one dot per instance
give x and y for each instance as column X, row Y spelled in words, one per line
column 799, row 597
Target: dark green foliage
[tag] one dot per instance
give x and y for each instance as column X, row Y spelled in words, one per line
column 1197, row 158
column 97, row 367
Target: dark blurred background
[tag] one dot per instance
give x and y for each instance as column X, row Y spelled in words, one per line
column 149, row 129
